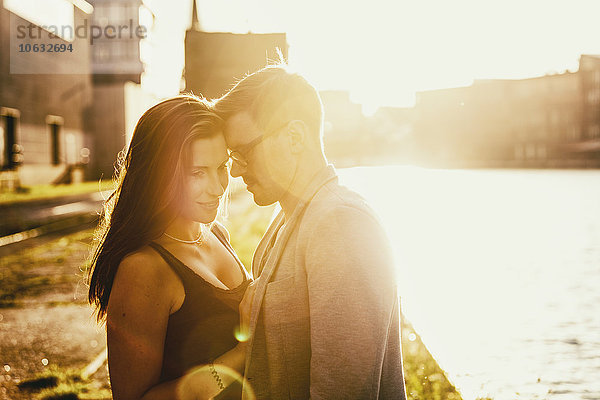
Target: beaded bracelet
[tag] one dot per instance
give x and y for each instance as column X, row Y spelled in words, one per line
column 215, row 374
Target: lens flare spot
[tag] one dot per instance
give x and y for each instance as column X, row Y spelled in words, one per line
column 241, row 336
column 412, row 337
column 44, row 361
column 94, row 343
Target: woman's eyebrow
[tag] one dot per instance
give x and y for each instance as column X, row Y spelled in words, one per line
column 196, row 167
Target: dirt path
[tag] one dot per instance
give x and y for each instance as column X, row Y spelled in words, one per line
column 62, row 336
column 44, row 320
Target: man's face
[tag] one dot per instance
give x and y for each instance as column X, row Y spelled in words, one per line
column 269, row 165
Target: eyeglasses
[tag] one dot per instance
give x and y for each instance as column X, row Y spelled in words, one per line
column 240, row 156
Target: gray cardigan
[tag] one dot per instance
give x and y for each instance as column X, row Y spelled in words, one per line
column 325, row 319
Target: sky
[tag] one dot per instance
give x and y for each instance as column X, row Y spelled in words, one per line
column 385, row 51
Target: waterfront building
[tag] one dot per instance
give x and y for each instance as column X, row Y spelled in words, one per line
column 589, row 73
column 548, row 121
column 43, row 94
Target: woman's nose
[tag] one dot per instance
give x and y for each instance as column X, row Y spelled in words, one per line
column 217, row 186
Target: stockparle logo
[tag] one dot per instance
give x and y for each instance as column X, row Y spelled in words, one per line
column 66, row 47
column 83, row 31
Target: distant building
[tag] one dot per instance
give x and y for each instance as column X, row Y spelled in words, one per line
column 351, row 138
column 215, row 60
column 42, row 115
column 395, row 122
column 392, row 129
column 343, row 118
column 549, row 121
column 589, row 75
column 117, row 69
column 344, row 137
column 116, row 53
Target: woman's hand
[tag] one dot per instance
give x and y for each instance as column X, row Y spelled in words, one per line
column 245, row 312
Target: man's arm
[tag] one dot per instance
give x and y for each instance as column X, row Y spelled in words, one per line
column 352, row 293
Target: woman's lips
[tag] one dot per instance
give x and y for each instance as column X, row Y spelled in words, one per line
column 210, row 205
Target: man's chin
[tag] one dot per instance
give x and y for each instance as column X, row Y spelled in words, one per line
column 258, row 200
column 262, row 200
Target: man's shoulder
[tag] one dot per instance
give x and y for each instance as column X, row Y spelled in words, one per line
column 337, row 203
column 341, row 230
column 334, row 196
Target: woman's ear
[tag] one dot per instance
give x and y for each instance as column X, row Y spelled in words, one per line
column 297, row 136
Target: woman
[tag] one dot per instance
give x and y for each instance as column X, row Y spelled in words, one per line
column 164, row 277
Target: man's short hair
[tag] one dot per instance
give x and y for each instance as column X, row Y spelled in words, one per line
column 273, row 95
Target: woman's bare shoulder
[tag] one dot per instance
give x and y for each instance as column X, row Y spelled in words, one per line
column 146, row 272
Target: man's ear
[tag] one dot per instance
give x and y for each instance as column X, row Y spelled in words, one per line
column 297, row 136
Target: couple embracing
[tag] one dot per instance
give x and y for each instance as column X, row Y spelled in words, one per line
column 319, row 316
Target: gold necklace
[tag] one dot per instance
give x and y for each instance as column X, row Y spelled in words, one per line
column 197, row 241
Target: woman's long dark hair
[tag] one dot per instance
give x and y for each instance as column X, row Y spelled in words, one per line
column 149, row 182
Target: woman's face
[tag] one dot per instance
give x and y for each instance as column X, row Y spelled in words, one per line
column 205, row 179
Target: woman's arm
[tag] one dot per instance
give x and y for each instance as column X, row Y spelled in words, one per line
column 200, row 383
column 144, row 294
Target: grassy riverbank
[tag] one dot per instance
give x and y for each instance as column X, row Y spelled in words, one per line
column 47, row 336
column 44, row 192
column 424, row 378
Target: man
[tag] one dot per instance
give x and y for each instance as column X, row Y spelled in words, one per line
column 325, row 315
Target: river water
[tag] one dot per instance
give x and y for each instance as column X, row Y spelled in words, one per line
column 499, row 272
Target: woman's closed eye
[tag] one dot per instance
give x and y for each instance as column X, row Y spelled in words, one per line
column 198, row 173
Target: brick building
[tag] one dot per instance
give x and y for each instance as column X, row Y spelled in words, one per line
column 42, row 123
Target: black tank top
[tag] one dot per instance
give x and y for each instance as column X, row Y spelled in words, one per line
column 203, row 328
